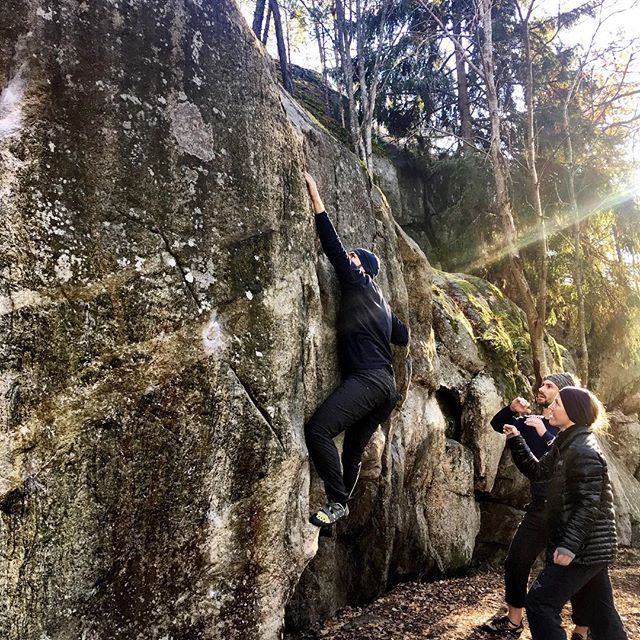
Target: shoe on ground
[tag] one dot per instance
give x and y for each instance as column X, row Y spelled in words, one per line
column 579, row 636
column 503, row 626
column 329, row 514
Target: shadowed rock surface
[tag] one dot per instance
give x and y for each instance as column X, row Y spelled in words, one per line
column 166, row 324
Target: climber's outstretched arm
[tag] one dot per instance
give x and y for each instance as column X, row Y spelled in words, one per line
column 312, row 188
column 348, row 273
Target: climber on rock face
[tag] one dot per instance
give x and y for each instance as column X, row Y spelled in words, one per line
column 366, row 329
column 531, row 536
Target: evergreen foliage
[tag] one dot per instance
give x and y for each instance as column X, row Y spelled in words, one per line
column 586, row 110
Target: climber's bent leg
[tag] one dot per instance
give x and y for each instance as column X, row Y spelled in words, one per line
column 359, row 395
column 357, row 437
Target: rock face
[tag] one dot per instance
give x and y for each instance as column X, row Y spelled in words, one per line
column 167, row 327
column 437, row 208
column 161, row 325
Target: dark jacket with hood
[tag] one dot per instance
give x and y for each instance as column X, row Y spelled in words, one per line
column 580, row 500
column 366, row 325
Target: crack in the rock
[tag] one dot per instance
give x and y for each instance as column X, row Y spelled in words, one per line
column 183, row 272
column 254, row 401
column 155, row 229
column 303, row 346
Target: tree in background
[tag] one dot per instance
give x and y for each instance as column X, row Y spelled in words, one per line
column 274, row 11
column 460, row 82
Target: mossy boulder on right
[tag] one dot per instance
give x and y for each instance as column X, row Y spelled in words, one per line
column 493, row 329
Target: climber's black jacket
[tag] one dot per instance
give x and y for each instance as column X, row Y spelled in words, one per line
column 366, row 326
column 580, row 500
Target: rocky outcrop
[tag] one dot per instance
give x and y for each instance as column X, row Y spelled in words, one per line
column 167, row 327
column 624, row 437
column 434, row 203
column 163, row 331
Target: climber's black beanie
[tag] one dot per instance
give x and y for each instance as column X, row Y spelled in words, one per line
column 369, row 261
column 579, row 405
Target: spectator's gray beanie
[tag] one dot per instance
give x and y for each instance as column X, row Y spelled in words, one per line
column 561, row 380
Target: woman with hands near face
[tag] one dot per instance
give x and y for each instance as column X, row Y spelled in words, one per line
column 582, row 534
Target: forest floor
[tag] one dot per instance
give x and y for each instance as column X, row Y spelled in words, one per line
column 454, row 609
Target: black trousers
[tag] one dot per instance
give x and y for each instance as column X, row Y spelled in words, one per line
column 363, row 400
column 588, row 587
column 530, row 540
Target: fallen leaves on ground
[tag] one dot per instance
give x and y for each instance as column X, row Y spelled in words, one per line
column 455, row 608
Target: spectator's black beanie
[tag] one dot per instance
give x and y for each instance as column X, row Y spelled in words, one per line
column 561, row 380
column 579, row 406
column 369, row 261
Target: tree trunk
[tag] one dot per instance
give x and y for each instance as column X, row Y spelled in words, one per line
column 339, row 79
column 464, row 104
column 364, row 87
column 582, row 351
column 267, row 25
column 258, row 15
column 282, row 50
column 503, row 204
column 534, row 187
column 322, row 51
column 344, row 49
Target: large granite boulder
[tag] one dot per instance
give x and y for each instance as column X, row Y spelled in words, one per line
column 163, row 334
column 167, row 326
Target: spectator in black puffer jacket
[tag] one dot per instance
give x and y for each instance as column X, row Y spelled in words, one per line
column 582, row 534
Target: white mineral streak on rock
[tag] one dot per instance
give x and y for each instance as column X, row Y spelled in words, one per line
column 45, row 15
column 190, row 131
column 63, row 268
column 11, row 105
column 20, row 299
column 197, row 45
column 6, row 468
column 212, row 336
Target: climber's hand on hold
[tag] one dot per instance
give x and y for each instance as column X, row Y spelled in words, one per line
column 312, row 188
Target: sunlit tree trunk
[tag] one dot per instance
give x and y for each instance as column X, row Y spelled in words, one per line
column 534, row 189
column 503, row 205
column 582, row 350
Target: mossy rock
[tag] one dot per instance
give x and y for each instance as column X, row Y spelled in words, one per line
column 494, row 323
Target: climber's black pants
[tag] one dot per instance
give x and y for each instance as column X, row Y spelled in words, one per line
column 363, row 400
column 590, row 591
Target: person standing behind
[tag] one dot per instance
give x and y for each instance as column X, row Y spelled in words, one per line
column 530, row 538
column 581, row 525
column 367, row 395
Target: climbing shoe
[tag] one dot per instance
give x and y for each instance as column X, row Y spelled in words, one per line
column 329, row 514
column 503, row 626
